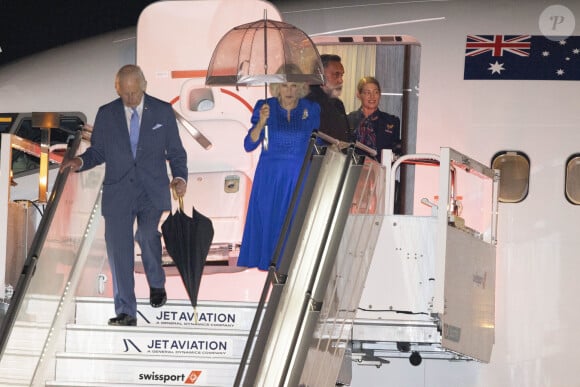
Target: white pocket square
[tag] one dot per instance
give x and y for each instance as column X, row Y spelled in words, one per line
column 157, row 126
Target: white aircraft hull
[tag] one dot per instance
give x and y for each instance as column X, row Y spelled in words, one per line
column 536, row 266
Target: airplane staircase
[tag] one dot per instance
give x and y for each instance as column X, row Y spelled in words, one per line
column 55, row 331
column 168, row 346
column 316, row 287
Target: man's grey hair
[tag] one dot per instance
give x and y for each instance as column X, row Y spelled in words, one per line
column 131, row 70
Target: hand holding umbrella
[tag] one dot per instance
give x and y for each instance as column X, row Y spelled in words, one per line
column 178, row 187
column 261, row 125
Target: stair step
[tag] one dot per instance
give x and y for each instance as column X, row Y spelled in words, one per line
column 111, row 384
column 16, row 368
column 115, row 384
column 100, row 369
column 29, row 335
column 11, row 382
column 25, row 346
column 216, row 343
column 106, row 384
column 172, row 345
column 174, row 314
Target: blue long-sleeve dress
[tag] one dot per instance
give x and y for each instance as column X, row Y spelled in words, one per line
column 275, row 177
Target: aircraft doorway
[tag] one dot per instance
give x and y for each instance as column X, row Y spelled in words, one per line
column 394, row 62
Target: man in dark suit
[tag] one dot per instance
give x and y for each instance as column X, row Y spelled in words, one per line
column 333, row 119
column 135, row 135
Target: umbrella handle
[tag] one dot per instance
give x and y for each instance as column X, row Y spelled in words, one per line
column 179, row 199
column 265, row 141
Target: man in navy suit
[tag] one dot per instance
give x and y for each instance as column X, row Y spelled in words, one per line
column 135, row 135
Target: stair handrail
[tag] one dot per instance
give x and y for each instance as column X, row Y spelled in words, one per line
column 36, row 247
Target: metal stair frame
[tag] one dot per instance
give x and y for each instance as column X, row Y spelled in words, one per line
column 302, row 289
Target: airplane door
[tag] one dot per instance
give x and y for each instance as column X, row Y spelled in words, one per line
column 175, row 43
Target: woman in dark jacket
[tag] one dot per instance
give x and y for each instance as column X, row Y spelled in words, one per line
column 370, row 126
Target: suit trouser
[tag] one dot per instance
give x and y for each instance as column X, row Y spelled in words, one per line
column 120, row 239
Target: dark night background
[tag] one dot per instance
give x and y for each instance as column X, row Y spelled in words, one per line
column 29, row 26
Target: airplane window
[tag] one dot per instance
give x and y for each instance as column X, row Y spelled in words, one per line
column 515, row 175
column 573, row 179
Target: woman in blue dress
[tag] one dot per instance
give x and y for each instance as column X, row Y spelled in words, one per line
column 290, row 119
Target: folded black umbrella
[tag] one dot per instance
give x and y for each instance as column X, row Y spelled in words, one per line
column 187, row 240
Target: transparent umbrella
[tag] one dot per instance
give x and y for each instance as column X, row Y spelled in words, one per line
column 251, row 55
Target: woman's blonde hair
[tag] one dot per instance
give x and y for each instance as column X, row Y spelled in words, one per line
column 366, row 80
column 289, row 68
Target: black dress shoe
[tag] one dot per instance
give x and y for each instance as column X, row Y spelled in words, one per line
column 123, row 319
column 157, row 297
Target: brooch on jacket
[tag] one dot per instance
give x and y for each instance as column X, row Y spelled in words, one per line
column 305, row 114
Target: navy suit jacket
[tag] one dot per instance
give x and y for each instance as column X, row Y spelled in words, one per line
column 333, row 119
column 159, row 142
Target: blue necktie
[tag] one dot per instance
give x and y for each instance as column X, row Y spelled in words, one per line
column 134, row 131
